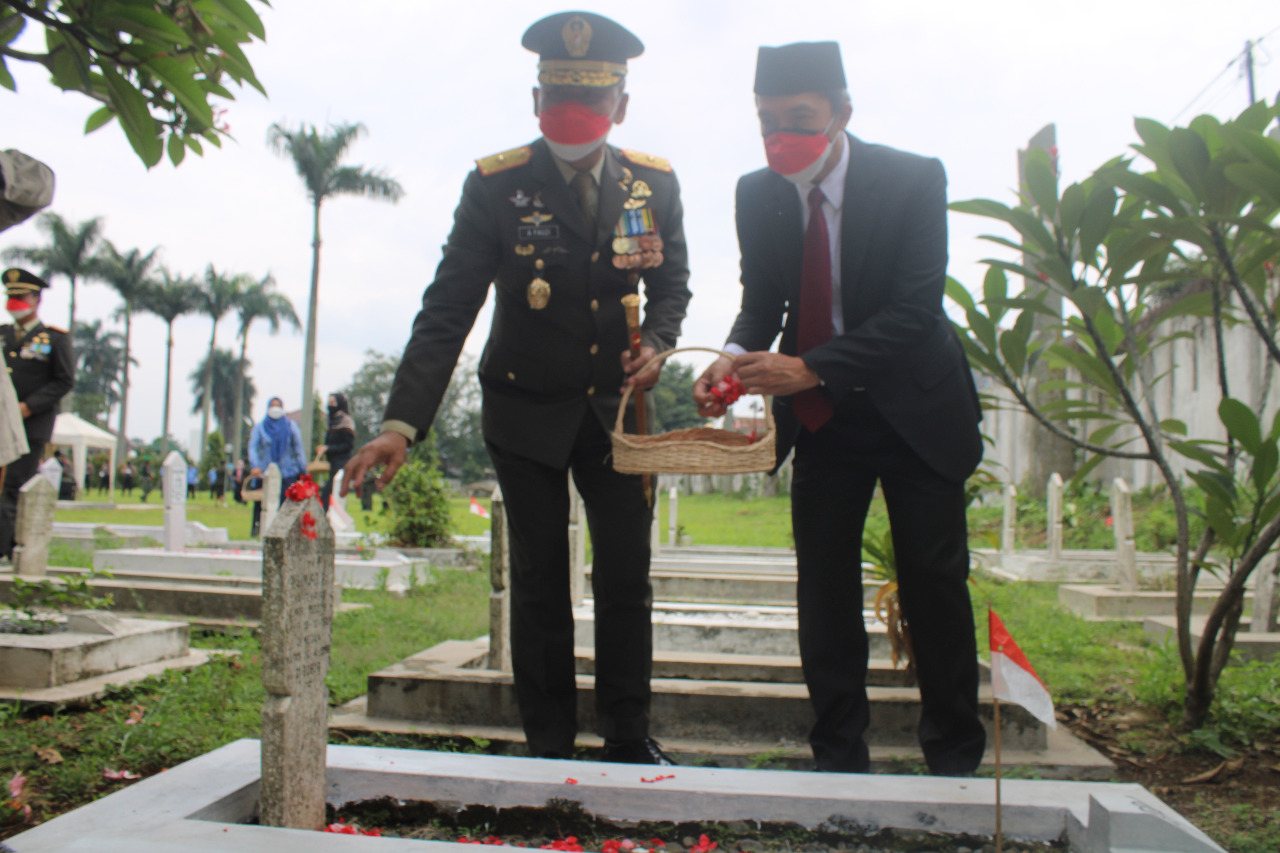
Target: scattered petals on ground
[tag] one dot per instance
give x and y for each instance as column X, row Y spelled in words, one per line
column 346, row 829
column 108, row 773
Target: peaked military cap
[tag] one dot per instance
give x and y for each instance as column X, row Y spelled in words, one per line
column 18, row 282
column 581, row 49
column 801, row 67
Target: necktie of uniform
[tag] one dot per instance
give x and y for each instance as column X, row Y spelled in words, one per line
column 584, row 184
column 812, row 406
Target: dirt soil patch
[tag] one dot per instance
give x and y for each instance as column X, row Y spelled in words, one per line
column 1233, row 798
column 564, row 825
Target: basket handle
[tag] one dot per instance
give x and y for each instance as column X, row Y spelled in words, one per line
column 663, row 356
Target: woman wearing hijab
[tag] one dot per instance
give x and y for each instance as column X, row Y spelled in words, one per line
column 276, row 439
column 339, row 441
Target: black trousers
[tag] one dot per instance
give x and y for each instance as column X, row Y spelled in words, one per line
column 835, row 474
column 537, row 505
column 16, row 475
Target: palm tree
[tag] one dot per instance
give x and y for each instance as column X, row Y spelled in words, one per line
column 69, row 253
column 129, row 274
column 261, row 301
column 222, row 372
column 317, row 158
column 169, row 299
column 216, row 296
column 99, row 361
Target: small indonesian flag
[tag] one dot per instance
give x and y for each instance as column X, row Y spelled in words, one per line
column 476, row 509
column 1012, row 677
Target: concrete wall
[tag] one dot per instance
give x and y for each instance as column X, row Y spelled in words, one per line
column 1187, row 390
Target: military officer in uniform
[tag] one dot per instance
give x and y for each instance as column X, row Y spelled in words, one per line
column 563, row 228
column 41, row 364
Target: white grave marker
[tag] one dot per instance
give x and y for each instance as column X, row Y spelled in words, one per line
column 33, row 528
column 174, row 472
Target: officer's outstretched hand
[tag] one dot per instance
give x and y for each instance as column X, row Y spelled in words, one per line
column 640, row 373
column 709, row 406
column 389, row 449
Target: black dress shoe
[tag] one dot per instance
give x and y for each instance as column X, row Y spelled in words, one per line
column 643, row 750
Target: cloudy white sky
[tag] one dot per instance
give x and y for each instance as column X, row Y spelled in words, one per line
column 438, row 84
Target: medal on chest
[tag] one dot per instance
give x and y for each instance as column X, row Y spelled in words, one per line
column 539, row 291
column 37, row 347
column 637, row 243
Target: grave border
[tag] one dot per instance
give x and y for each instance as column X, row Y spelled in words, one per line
column 202, row 805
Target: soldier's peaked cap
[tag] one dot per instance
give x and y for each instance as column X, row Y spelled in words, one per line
column 581, row 49
column 18, row 282
column 801, row 67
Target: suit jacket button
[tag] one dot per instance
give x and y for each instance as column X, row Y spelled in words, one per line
column 595, row 305
column 511, row 376
column 591, row 390
column 595, row 348
column 595, row 256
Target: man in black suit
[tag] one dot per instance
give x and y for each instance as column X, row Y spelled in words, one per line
column 844, row 249
column 41, row 364
column 563, row 228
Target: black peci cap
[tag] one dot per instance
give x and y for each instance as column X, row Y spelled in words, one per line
column 18, row 282
column 801, row 67
column 581, row 49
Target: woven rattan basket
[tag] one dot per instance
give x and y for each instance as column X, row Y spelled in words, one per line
column 701, row 450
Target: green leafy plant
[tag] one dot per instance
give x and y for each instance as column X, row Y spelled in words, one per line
column 156, row 66
column 418, row 501
column 1107, row 264
column 883, row 566
column 37, row 599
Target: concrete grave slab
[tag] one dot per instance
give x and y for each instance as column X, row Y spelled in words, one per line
column 197, row 533
column 51, row 660
column 247, row 563
column 1102, row 603
column 207, row 804
column 1249, row 645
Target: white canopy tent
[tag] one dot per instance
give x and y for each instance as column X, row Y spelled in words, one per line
column 80, row 435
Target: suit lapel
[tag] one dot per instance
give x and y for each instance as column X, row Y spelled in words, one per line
column 788, row 234
column 861, row 204
column 557, row 196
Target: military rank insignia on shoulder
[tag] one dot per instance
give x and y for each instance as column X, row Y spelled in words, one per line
column 495, row 163
column 662, row 164
column 55, row 329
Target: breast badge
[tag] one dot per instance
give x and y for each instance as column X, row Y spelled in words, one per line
column 637, row 243
column 539, row 291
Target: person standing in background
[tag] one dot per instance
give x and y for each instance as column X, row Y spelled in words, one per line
column 40, row 362
column 339, row 441
column 276, row 439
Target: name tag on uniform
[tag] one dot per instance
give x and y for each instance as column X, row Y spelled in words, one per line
column 538, row 232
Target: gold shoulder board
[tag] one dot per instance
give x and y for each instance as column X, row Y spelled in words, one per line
column 495, row 163
column 55, row 329
column 662, row 164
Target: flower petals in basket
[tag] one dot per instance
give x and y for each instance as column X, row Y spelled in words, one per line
column 700, row 450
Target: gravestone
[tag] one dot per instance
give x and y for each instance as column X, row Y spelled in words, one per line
column 174, row 473
column 297, row 621
column 655, row 534
column 270, row 496
column 577, row 545
column 499, row 576
column 1009, row 525
column 33, row 528
column 1122, row 524
column 1055, row 515
column 673, row 515
column 1266, row 599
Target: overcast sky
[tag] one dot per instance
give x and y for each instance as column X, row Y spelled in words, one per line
column 439, row 84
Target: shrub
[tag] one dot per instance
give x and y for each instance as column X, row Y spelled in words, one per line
column 417, row 500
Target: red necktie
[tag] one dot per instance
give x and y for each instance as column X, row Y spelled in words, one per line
column 812, row 406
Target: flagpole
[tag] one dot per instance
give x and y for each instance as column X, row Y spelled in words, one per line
column 995, row 704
